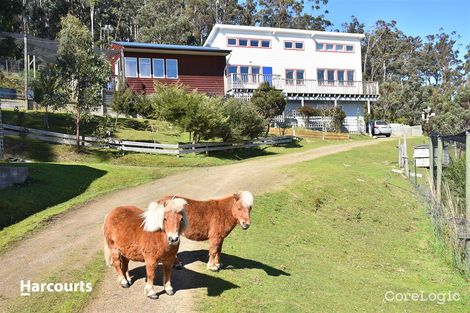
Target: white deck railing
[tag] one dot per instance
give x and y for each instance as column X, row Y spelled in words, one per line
column 301, row 86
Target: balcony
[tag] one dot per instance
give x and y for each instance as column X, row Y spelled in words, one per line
column 248, row 82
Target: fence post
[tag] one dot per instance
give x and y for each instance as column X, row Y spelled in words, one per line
column 405, row 157
column 439, row 169
column 400, row 162
column 431, row 163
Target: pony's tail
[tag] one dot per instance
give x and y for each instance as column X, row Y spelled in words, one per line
column 106, row 250
column 107, row 253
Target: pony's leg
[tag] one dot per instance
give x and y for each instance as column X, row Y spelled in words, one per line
column 214, row 244
column 167, row 266
column 219, row 251
column 178, row 265
column 149, row 290
column 116, row 259
column 124, row 268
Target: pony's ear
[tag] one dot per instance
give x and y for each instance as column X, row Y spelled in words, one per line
column 153, row 217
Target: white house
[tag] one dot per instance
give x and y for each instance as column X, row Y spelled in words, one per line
column 313, row 68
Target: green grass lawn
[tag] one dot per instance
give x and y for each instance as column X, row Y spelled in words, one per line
column 54, row 188
column 44, row 152
column 337, row 240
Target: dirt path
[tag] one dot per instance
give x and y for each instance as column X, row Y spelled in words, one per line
column 77, row 234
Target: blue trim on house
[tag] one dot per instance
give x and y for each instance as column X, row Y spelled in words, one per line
column 144, row 45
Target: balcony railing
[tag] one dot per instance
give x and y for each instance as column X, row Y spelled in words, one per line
column 301, row 86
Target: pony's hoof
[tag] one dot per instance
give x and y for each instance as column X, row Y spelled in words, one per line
column 125, row 285
column 213, row 268
column 178, row 266
column 153, row 296
column 169, row 292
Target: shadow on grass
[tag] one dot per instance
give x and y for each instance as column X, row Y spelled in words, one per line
column 247, row 153
column 187, row 279
column 25, row 148
column 46, row 186
column 229, row 262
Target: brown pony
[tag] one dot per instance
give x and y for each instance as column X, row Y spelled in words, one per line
column 152, row 237
column 214, row 219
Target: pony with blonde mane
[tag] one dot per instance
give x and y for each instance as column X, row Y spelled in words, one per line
column 151, row 236
column 214, row 219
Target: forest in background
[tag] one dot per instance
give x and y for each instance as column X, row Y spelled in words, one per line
column 414, row 72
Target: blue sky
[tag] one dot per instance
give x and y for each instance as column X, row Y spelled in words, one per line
column 414, row 17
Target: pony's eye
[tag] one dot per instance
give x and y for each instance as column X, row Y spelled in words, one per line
column 164, row 219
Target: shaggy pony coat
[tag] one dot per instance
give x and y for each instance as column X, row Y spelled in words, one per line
column 214, row 219
column 150, row 236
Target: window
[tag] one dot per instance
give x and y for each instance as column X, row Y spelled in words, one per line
column 299, row 45
column 341, row 75
column 350, row 76
column 243, row 42
column 131, row 67
column 295, row 77
column 321, row 75
column 145, row 68
column 320, row 46
column 254, row 43
column 287, row 44
column 255, row 70
column 244, row 71
column 158, row 68
column 231, row 42
column 232, row 69
column 330, row 74
column 299, row 75
column 171, row 68
column 290, row 77
column 349, row 48
column 294, row 45
column 339, row 47
column 265, row 43
column 329, row 46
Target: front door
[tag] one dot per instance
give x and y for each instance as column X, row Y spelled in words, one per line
column 268, row 74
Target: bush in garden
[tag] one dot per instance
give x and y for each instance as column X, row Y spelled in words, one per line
column 242, row 121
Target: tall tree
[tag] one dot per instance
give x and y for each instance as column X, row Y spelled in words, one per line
column 84, row 71
column 49, row 91
column 290, row 14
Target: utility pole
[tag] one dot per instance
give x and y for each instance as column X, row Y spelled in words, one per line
column 26, row 61
column 1, row 133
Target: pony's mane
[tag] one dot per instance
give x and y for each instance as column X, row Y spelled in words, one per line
column 247, row 198
column 153, row 216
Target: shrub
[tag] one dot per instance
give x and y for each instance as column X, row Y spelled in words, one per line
column 269, row 102
column 242, row 121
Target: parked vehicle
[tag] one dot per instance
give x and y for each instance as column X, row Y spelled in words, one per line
column 380, row 128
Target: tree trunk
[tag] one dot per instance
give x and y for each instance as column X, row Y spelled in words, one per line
column 267, row 130
column 46, row 118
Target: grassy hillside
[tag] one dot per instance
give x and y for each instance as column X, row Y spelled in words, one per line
column 336, row 241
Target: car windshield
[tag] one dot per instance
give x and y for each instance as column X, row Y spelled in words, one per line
column 382, row 123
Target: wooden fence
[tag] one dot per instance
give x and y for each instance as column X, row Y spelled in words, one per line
column 143, row 147
column 308, row 133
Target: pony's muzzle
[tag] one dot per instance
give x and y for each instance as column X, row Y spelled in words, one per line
column 244, row 225
column 173, row 240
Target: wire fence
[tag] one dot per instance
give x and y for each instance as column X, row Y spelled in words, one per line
column 439, row 170
column 449, row 187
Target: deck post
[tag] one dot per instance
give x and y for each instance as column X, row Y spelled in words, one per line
column 467, row 195
column 439, row 170
column 431, row 164
column 302, row 102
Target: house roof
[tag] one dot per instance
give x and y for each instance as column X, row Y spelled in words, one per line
column 273, row 31
column 142, row 46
